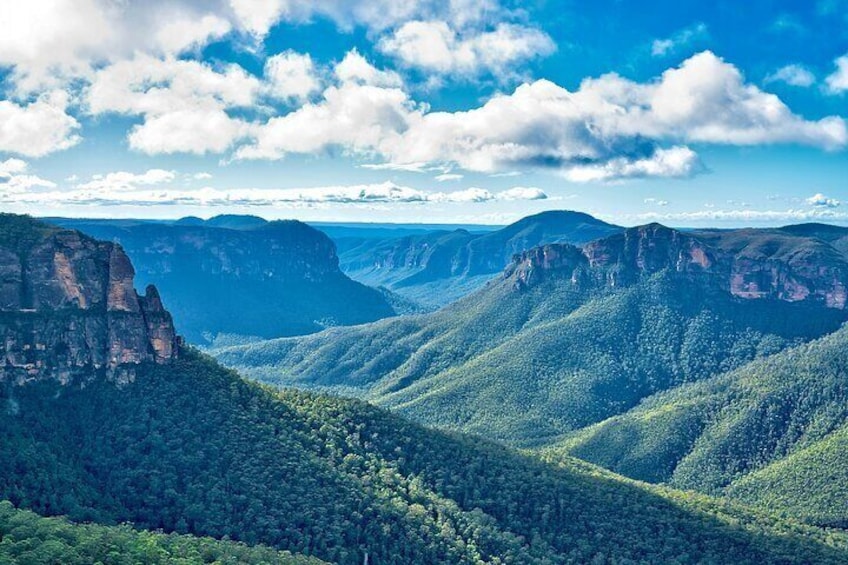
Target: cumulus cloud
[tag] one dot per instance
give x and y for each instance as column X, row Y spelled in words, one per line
column 362, row 114
column 674, row 162
column 433, row 46
column 819, row 200
column 445, row 177
column 683, row 38
column 837, row 82
column 184, row 103
column 656, row 201
column 37, row 128
column 50, row 42
column 180, row 34
column 376, row 15
column 793, row 75
column 11, row 167
column 291, row 75
column 609, row 128
column 15, row 180
column 522, row 193
column 151, row 85
column 198, row 131
column 354, row 68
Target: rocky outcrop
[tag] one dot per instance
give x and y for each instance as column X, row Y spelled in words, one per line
column 748, row 264
column 68, row 307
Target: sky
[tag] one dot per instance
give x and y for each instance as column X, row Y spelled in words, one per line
column 426, row 111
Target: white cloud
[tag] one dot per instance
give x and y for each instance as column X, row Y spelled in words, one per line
column 180, row 34
column 50, row 42
column 819, row 200
column 122, row 188
column 656, row 201
column 183, row 103
column 793, row 75
column 838, row 81
column 121, row 181
column 522, row 193
column 151, row 85
column 681, row 39
column 291, row 75
column 363, row 114
column 13, row 179
column 258, row 16
column 198, row 131
column 674, row 162
column 445, row 177
column 201, row 176
column 406, row 167
column 354, row 68
column 11, row 167
column 609, row 128
column 712, row 216
column 41, row 38
column 38, row 128
column 433, row 46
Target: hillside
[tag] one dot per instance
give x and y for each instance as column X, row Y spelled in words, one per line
column 236, row 276
column 438, row 267
column 569, row 336
column 771, row 433
column 325, row 476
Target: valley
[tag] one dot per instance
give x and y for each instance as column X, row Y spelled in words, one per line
column 651, row 352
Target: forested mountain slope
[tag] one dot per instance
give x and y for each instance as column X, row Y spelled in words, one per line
column 438, row 267
column 190, row 447
column 242, row 275
column 773, row 433
column 571, row 336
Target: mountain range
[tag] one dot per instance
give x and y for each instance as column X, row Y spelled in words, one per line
column 438, row 267
column 569, row 336
column 708, row 361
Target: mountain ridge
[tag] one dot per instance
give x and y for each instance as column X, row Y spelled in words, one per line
column 566, row 337
column 441, row 266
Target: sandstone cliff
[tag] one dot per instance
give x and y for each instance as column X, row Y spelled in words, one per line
column 68, row 307
column 748, row 264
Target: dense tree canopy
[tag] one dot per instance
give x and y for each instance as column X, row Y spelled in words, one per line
column 193, row 448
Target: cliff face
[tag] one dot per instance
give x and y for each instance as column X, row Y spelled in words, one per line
column 68, row 307
column 748, row 264
column 268, row 279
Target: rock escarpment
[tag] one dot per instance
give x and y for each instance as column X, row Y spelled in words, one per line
column 269, row 279
column 748, row 264
column 68, row 307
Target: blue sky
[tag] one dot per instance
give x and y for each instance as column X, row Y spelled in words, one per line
column 452, row 111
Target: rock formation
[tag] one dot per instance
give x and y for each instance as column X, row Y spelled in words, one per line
column 68, row 307
column 748, row 264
